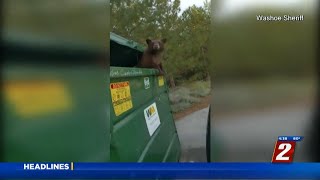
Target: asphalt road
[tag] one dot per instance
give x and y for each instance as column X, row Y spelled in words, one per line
column 192, row 135
column 243, row 138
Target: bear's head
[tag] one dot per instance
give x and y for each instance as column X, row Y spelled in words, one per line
column 156, row 45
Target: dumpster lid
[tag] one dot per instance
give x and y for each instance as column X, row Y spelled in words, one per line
column 31, row 48
column 125, row 42
column 124, row 52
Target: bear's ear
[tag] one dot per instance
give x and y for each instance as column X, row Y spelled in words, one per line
column 148, row 41
column 164, row 40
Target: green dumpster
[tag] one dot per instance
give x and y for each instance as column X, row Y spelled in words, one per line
column 55, row 105
column 59, row 105
column 143, row 128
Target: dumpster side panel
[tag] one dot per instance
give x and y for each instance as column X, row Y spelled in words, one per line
column 135, row 137
column 55, row 115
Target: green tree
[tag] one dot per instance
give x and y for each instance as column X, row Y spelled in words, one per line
column 140, row 19
column 189, row 62
column 246, row 48
column 187, row 34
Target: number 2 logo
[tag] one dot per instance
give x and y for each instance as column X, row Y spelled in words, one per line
column 283, row 152
column 285, row 147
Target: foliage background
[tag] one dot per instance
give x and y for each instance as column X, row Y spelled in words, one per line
column 187, row 33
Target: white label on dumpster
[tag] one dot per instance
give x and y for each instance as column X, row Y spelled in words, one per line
column 146, row 83
column 152, row 118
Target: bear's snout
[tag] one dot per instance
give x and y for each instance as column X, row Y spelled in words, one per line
column 156, row 46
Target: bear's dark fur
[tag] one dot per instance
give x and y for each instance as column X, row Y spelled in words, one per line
column 152, row 55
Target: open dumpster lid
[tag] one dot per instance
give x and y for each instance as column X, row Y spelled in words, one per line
column 125, row 42
column 44, row 49
column 124, row 52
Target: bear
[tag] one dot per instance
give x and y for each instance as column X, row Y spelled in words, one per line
column 153, row 54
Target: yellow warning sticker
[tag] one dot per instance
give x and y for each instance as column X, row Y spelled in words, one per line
column 121, row 97
column 34, row 98
column 161, row 80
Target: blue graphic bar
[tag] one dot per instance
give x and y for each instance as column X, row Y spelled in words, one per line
column 290, row 138
column 161, row 170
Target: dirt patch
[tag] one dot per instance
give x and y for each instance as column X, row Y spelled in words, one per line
column 204, row 102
